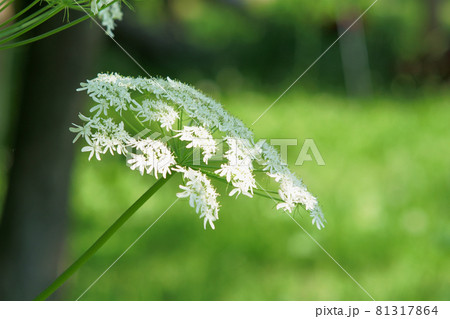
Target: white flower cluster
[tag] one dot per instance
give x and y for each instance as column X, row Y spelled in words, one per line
column 202, row 109
column 292, row 191
column 102, row 135
column 109, row 90
column 165, row 103
column 108, row 13
column 159, row 111
column 202, row 195
column 238, row 170
column 154, row 157
column 199, row 137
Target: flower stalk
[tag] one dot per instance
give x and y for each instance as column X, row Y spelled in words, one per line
column 102, row 240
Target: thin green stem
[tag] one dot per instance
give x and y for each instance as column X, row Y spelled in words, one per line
column 223, row 180
column 29, row 25
column 19, row 25
column 139, row 121
column 5, row 4
column 204, row 166
column 136, row 131
column 180, row 119
column 44, row 35
column 102, row 240
column 14, row 17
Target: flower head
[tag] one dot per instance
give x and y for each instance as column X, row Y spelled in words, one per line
column 163, row 121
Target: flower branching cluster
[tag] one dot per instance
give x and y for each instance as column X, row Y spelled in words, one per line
column 199, row 137
column 159, row 123
column 202, row 195
column 108, row 11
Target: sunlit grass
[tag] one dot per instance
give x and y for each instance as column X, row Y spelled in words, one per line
column 384, row 190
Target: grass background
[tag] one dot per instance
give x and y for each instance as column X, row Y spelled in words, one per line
column 384, row 190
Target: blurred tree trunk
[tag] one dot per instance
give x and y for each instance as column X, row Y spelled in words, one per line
column 354, row 55
column 432, row 9
column 436, row 41
column 33, row 225
column 6, row 58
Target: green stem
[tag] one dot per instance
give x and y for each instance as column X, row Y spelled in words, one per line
column 16, row 31
column 223, row 180
column 102, row 240
column 44, row 35
column 13, row 18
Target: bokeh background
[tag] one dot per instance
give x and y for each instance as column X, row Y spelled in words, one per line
column 377, row 105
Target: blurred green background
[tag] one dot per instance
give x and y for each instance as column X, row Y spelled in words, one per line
column 377, row 106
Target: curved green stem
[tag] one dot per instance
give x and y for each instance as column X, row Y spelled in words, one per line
column 102, row 240
column 14, row 17
column 44, row 35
